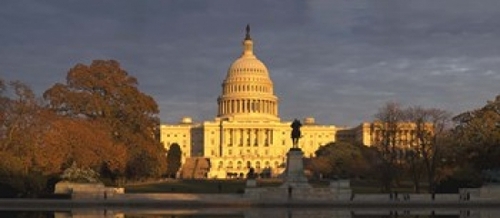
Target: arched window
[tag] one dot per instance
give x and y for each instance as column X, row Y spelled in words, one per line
column 230, row 165
column 257, row 165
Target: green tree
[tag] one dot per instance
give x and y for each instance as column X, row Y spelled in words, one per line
column 339, row 159
column 174, row 156
column 103, row 92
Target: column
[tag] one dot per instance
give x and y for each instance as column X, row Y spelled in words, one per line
column 238, row 137
column 233, row 106
column 259, row 137
column 271, row 136
column 266, row 137
column 249, row 137
column 256, row 136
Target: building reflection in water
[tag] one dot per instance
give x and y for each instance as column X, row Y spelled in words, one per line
column 287, row 213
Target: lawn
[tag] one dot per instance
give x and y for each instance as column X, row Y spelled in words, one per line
column 237, row 186
column 195, row 186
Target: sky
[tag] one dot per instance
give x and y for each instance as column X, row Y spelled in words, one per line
column 336, row 61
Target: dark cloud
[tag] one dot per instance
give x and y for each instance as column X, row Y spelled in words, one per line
column 335, row 60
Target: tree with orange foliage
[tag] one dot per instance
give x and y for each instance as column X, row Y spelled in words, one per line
column 104, row 94
column 85, row 142
column 20, row 129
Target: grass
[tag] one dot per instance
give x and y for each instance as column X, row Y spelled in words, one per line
column 238, row 186
column 194, row 186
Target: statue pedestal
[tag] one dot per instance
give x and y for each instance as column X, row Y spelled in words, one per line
column 294, row 173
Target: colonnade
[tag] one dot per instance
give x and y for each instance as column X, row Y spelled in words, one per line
column 248, row 106
column 246, row 88
column 247, row 137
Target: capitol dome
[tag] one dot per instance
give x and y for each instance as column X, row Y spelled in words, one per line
column 247, row 91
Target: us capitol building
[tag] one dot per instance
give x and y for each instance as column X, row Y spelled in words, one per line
column 247, row 131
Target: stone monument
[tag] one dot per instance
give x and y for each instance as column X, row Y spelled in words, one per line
column 294, row 176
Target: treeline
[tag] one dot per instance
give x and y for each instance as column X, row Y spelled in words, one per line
column 98, row 119
column 444, row 152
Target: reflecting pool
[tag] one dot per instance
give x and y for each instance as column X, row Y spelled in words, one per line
column 259, row 213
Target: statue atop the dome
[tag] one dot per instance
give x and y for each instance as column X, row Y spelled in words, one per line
column 296, row 133
column 247, row 36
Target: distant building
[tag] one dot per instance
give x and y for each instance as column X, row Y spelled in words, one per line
column 247, row 131
column 369, row 134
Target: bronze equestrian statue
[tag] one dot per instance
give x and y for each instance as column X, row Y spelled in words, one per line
column 296, row 133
